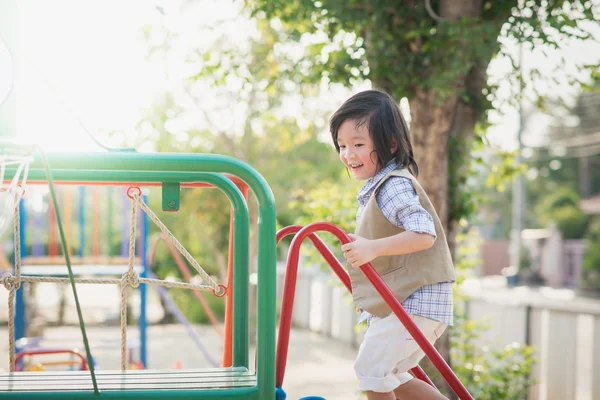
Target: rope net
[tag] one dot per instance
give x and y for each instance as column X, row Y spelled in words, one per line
column 129, row 279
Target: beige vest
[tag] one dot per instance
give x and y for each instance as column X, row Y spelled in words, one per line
column 405, row 273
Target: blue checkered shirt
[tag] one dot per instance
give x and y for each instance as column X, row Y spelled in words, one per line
column 399, row 203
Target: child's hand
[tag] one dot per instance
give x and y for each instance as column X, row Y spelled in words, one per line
column 359, row 252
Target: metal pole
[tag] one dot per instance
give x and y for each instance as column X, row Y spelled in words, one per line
column 20, row 307
column 518, row 184
column 109, row 229
column 143, row 249
column 81, row 221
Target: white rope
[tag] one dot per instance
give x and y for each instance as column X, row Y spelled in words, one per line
column 17, row 239
column 9, row 282
column 110, row 281
column 12, row 283
column 170, row 237
column 129, row 278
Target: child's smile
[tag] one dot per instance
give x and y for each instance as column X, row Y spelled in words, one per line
column 357, row 150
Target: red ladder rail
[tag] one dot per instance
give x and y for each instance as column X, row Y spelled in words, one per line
column 290, row 288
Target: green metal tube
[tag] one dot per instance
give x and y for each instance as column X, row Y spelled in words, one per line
column 248, row 393
column 109, row 166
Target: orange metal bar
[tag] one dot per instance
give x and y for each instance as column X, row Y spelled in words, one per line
column 239, row 183
column 227, row 341
column 52, row 242
column 68, row 220
column 188, row 276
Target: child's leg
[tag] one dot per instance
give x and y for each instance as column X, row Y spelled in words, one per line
column 383, row 346
column 386, row 355
column 380, row 396
column 416, row 389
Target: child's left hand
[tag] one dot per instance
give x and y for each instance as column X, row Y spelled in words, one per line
column 359, row 252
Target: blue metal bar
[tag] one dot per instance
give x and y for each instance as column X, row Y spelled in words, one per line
column 20, row 311
column 143, row 323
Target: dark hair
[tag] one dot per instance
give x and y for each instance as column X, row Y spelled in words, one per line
column 385, row 123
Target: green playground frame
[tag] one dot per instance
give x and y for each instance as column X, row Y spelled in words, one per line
column 130, row 168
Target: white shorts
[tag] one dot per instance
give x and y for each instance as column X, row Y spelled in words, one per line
column 388, row 352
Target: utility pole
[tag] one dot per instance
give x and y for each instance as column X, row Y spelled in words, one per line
column 518, row 194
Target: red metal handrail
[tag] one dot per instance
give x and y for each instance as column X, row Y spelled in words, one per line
column 374, row 278
column 292, row 272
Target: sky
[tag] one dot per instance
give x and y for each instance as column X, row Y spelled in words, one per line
column 80, row 61
column 84, row 62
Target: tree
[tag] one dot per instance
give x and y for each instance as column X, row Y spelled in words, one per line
column 435, row 54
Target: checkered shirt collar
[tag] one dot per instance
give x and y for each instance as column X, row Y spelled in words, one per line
column 367, row 189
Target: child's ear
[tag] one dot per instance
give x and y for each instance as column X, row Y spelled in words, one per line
column 394, row 146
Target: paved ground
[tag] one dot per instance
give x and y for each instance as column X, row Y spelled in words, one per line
column 316, row 365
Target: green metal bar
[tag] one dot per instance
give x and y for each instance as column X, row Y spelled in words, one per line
column 247, row 393
column 171, row 197
column 66, row 165
column 48, row 174
column 241, row 239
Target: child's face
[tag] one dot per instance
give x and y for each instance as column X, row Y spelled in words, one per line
column 357, row 150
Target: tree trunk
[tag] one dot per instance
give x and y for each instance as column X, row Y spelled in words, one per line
column 430, row 131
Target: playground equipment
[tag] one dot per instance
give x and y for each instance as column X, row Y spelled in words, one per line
column 236, row 380
column 39, row 367
column 98, row 263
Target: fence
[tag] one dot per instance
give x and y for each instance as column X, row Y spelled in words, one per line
column 564, row 329
column 559, row 261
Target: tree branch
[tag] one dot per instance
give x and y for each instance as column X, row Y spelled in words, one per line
column 432, row 13
column 368, row 7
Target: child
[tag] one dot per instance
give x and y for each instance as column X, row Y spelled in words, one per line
column 400, row 234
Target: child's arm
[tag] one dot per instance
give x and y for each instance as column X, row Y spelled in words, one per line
column 362, row 251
